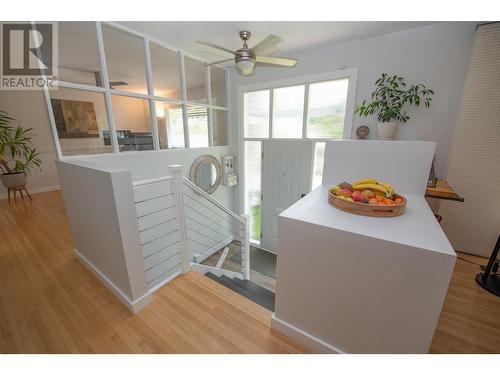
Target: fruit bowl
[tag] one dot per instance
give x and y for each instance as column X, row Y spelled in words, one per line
column 367, row 197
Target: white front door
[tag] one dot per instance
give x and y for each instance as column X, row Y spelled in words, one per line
column 287, row 168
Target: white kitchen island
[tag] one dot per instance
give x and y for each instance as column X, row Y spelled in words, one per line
column 354, row 284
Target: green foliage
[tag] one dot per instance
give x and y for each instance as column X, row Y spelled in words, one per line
column 256, row 215
column 390, row 97
column 328, row 126
column 17, row 153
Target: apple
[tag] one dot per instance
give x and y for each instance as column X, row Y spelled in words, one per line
column 344, row 193
column 357, row 196
column 368, row 194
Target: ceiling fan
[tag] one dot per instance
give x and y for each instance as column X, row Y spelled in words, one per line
column 246, row 58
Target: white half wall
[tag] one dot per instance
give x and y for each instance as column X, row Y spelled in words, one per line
column 144, row 165
column 380, row 162
column 102, row 216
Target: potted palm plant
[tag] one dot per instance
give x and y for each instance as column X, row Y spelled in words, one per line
column 18, row 156
column 389, row 99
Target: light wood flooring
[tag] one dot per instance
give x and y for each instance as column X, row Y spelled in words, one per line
column 470, row 319
column 50, row 303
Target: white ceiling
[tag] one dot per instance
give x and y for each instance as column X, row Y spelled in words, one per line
column 296, row 36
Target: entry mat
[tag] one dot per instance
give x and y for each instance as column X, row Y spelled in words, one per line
column 261, row 261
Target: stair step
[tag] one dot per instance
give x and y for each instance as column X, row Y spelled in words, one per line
column 251, row 291
column 247, row 289
column 212, row 276
column 257, row 289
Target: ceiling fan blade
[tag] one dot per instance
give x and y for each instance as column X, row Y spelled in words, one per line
column 266, row 43
column 216, row 47
column 222, row 61
column 281, row 61
column 117, row 83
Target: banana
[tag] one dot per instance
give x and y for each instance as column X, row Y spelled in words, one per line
column 335, row 188
column 365, row 181
column 389, row 188
column 373, row 187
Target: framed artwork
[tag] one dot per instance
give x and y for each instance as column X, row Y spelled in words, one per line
column 75, row 119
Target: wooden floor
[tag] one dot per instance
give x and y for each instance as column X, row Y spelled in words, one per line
column 470, row 319
column 50, row 303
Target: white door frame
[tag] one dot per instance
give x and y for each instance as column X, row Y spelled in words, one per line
column 350, row 73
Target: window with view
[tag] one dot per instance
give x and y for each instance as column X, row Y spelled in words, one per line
column 318, row 110
column 326, row 109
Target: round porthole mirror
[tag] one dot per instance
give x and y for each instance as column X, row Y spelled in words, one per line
column 206, row 173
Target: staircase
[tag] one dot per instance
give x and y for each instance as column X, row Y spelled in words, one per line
column 247, row 289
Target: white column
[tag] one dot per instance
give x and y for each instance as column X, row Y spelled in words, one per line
column 178, row 183
column 182, row 70
column 245, row 248
column 105, row 83
column 152, row 104
column 208, row 90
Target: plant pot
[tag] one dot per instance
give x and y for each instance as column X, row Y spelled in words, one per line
column 387, row 130
column 13, row 180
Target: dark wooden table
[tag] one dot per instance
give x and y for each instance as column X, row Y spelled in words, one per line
column 443, row 191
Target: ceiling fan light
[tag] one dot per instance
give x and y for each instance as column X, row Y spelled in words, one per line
column 245, row 67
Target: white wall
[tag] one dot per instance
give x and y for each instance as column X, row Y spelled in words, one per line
column 101, row 210
column 435, row 55
column 28, row 107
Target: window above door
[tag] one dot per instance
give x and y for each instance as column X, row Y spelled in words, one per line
column 313, row 107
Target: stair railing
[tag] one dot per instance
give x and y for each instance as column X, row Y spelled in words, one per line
column 242, row 220
column 170, row 221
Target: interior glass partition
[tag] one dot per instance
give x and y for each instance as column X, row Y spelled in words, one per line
column 107, row 63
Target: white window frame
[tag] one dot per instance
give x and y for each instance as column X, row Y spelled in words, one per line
column 150, row 97
column 349, row 73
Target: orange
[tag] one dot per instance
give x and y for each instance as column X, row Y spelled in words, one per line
column 372, row 201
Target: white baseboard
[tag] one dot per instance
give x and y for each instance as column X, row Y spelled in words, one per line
column 36, row 191
column 309, row 341
column 133, row 306
column 167, row 280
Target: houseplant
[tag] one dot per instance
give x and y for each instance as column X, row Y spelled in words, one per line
column 389, row 99
column 18, row 156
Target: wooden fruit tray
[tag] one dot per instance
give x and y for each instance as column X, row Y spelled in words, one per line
column 365, row 209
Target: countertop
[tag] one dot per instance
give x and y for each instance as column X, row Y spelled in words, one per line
column 417, row 227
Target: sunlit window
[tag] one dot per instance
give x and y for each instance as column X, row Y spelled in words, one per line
column 309, row 110
column 288, row 112
column 326, row 109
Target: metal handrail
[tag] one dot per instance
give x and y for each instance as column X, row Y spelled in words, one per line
column 178, row 181
column 214, row 201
